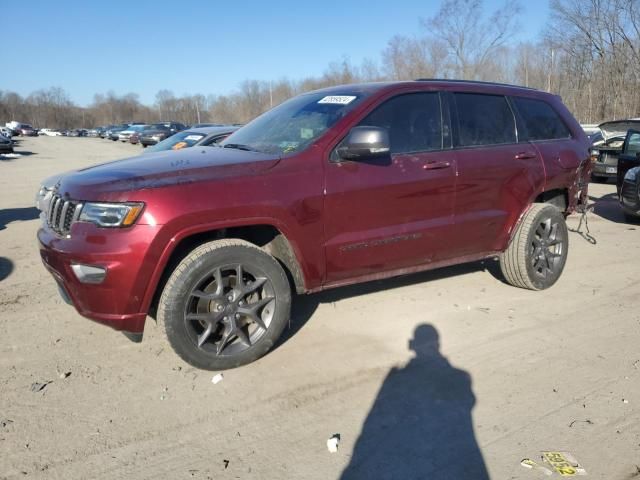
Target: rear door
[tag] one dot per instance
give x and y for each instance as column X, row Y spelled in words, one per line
column 497, row 176
column 396, row 212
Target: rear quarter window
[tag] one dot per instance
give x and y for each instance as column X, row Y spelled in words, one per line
column 484, row 120
column 541, row 121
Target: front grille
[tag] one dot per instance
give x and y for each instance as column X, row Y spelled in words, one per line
column 62, row 213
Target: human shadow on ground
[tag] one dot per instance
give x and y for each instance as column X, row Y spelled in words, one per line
column 8, row 215
column 304, row 306
column 6, row 268
column 420, row 425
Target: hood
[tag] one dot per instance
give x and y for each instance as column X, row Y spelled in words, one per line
column 618, row 128
column 161, row 169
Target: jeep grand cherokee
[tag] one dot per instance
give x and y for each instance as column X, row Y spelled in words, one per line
column 333, row 187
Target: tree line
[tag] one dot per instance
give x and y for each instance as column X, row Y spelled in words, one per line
column 588, row 53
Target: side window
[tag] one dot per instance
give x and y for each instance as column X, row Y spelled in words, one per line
column 541, row 122
column 414, row 121
column 632, row 145
column 484, row 120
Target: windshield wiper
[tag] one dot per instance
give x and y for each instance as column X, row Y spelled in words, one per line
column 238, row 146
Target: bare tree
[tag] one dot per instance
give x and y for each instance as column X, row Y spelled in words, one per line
column 470, row 37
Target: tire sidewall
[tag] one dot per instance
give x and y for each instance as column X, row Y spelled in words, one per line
column 556, row 216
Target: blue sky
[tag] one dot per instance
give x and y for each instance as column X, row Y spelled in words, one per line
column 199, row 46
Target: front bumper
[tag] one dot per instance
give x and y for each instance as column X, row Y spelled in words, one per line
column 125, row 253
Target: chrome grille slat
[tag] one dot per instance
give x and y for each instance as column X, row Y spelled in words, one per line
column 62, row 213
column 52, row 208
column 76, row 213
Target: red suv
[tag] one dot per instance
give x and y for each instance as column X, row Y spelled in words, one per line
column 333, row 187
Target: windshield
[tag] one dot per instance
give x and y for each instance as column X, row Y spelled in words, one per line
column 176, row 142
column 293, row 125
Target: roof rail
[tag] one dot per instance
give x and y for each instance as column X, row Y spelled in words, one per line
column 471, row 81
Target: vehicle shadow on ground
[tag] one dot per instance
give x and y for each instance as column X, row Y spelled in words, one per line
column 304, row 306
column 420, row 425
column 9, row 215
column 608, row 207
column 6, row 268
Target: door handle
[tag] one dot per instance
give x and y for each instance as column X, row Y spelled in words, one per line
column 525, row 155
column 435, row 165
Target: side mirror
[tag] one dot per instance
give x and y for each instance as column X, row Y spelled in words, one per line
column 364, row 143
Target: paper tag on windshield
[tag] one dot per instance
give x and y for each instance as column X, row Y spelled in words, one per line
column 338, row 99
column 193, row 137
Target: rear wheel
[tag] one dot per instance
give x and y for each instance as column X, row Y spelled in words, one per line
column 538, row 250
column 225, row 305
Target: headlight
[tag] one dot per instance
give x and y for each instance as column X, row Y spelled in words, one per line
column 111, row 214
column 157, row 138
column 43, row 197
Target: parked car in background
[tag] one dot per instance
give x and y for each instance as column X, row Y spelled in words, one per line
column 155, row 133
column 50, row 132
column 78, row 132
column 8, row 132
column 6, row 145
column 105, row 131
column 628, row 180
column 124, row 135
column 194, row 137
column 174, row 127
column 27, row 131
column 605, row 152
column 112, row 133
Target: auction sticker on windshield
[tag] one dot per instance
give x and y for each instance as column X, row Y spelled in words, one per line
column 338, row 99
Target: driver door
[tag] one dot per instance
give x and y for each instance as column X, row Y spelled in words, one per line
column 394, row 212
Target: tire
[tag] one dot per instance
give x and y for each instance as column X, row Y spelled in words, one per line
column 209, row 321
column 538, row 249
column 597, row 179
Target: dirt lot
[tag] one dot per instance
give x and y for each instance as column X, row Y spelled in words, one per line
column 495, row 374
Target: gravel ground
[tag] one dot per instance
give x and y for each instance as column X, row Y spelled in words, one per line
column 445, row 374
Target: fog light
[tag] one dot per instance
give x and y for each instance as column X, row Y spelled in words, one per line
column 88, row 273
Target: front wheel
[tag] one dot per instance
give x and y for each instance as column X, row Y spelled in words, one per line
column 538, row 249
column 225, row 305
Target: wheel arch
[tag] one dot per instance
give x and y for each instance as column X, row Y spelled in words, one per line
column 558, row 197
column 264, row 234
